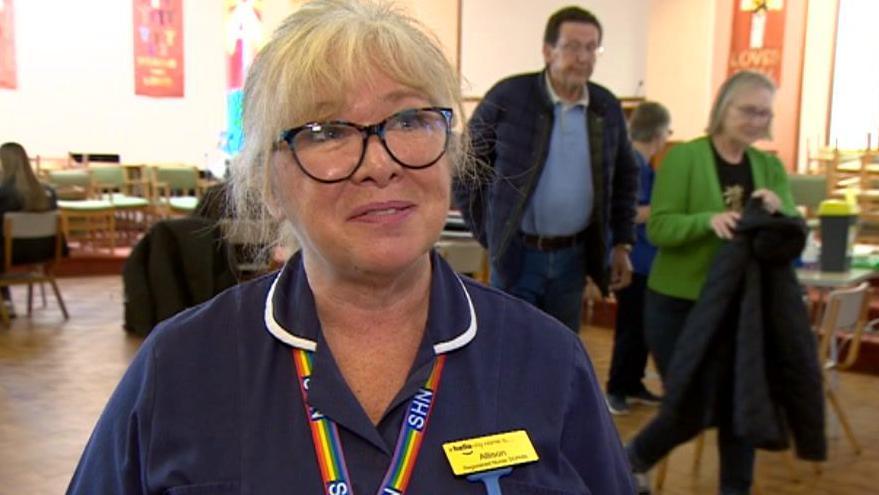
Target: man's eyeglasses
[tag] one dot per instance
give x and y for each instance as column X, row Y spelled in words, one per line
column 753, row 112
column 332, row 151
column 573, row 48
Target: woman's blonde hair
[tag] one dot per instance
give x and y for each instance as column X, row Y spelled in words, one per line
column 729, row 89
column 18, row 174
column 327, row 48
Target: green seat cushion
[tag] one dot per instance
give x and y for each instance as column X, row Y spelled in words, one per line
column 85, row 205
column 120, row 200
column 183, row 203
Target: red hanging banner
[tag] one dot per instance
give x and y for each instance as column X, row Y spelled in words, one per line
column 158, row 48
column 8, row 77
column 757, row 37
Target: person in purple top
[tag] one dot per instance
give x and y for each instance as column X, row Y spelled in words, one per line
column 649, row 130
column 318, row 379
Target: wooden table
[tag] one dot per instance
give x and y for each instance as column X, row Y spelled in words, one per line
column 833, row 280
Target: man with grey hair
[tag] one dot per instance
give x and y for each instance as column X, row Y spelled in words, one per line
column 649, row 130
column 559, row 204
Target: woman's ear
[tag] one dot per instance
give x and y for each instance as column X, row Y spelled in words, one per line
column 273, row 198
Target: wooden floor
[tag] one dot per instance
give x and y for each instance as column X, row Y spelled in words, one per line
column 55, row 377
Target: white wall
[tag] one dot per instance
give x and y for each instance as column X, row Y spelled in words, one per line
column 680, row 60
column 817, row 78
column 856, row 76
column 76, row 84
column 504, row 37
column 76, row 79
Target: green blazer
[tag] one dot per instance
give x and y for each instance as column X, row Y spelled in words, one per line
column 686, row 195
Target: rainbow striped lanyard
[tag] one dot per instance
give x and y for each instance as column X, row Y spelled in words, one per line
column 328, row 448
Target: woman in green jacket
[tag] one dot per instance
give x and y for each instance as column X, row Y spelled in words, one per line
column 699, row 193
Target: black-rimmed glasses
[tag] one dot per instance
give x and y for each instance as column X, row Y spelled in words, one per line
column 332, row 151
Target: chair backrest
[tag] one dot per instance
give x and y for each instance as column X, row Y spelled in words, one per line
column 108, row 175
column 30, row 225
column 71, row 184
column 845, row 315
column 808, row 190
column 81, row 178
column 178, row 178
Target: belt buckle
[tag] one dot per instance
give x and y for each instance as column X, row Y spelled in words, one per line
column 540, row 239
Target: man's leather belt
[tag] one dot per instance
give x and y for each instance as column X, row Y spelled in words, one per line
column 544, row 243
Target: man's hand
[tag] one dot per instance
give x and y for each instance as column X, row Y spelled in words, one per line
column 620, row 267
column 724, row 224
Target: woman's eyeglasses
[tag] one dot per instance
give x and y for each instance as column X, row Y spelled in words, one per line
column 332, row 151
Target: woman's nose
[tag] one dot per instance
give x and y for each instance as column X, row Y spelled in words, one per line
column 378, row 164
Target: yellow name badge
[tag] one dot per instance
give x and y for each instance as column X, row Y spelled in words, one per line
column 492, row 452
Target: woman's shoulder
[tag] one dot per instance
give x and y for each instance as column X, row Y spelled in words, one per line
column 683, row 156
column 219, row 321
column 695, row 146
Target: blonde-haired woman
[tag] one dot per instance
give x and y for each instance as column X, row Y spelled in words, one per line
column 348, row 370
column 21, row 191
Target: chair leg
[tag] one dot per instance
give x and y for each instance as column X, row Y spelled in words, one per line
column 43, row 293
column 4, row 315
column 58, row 297
column 112, row 228
column 661, row 472
column 843, row 420
column 30, row 299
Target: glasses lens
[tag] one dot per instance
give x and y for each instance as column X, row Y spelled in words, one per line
column 417, row 138
column 328, row 151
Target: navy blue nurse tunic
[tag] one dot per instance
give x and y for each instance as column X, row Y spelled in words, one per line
column 211, row 403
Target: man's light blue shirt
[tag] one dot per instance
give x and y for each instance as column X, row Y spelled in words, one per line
column 562, row 201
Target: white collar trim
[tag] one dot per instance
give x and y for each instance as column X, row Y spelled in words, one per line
column 288, row 338
column 277, row 330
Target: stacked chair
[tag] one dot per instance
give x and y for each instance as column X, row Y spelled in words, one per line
column 127, row 196
column 176, row 189
column 85, row 218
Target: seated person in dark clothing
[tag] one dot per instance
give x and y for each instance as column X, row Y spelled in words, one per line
column 21, row 191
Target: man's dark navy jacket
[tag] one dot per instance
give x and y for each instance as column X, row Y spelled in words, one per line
column 211, row 403
column 510, row 131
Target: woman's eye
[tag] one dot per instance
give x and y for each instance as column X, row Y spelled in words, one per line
column 413, row 120
column 324, row 133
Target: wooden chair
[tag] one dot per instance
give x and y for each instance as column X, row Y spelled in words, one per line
column 85, row 216
column 71, row 185
column 43, row 165
column 868, row 197
column 808, row 191
column 176, row 189
column 662, row 466
column 698, row 448
column 31, row 270
column 112, row 184
column 841, row 330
